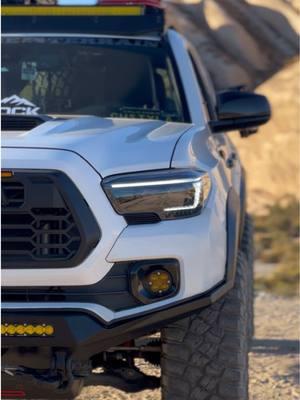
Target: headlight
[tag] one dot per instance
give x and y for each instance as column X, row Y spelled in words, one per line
column 158, row 195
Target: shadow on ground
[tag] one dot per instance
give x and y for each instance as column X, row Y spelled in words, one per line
column 275, row 346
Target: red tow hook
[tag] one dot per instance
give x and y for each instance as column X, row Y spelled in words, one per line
column 12, row 394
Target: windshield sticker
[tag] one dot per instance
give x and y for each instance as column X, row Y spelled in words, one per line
column 15, row 105
column 29, row 71
column 89, row 41
column 144, row 113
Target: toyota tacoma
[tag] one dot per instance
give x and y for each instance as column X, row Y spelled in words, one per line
column 125, row 232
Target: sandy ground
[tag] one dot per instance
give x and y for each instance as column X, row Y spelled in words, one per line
column 274, row 357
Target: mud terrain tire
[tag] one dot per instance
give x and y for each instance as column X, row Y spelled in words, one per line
column 205, row 356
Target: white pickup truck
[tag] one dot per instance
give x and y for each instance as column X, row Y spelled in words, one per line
column 125, row 233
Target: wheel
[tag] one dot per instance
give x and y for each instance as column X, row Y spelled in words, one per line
column 205, row 356
column 247, row 247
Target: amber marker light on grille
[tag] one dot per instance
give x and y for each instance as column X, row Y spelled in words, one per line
column 6, row 174
column 41, row 330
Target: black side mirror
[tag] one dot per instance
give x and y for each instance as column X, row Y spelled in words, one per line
column 238, row 110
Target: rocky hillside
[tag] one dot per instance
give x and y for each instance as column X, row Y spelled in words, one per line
column 254, row 43
column 241, row 42
column 272, row 157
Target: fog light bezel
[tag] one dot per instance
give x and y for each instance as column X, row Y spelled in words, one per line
column 141, row 269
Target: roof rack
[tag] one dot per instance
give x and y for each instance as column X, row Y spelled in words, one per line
column 113, row 17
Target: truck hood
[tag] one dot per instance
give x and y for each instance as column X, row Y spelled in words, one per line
column 111, row 146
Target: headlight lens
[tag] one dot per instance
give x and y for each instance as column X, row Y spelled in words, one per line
column 164, row 195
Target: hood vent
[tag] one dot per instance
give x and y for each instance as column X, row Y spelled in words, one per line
column 22, row 122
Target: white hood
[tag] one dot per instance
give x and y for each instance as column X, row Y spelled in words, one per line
column 110, row 145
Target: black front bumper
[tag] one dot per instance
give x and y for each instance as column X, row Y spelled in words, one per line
column 85, row 335
column 78, row 336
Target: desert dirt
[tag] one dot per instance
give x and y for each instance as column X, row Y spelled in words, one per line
column 274, row 357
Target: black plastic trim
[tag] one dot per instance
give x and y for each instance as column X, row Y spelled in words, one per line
column 86, row 223
column 113, row 291
column 243, row 202
column 142, row 218
column 152, row 23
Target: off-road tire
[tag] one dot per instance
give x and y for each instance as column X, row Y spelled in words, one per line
column 247, row 247
column 205, row 356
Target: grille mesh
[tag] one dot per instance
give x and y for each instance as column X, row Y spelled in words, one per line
column 40, row 233
column 37, row 222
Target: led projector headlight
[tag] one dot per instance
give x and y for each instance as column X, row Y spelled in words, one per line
column 164, row 195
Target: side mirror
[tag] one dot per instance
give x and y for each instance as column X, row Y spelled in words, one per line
column 238, row 110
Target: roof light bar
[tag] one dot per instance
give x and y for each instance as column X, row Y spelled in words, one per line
column 79, row 11
column 114, row 17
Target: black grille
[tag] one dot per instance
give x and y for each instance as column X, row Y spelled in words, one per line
column 41, row 227
column 12, row 194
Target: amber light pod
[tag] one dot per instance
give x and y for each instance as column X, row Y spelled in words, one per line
column 158, row 282
column 6, row 174
column 41, row 330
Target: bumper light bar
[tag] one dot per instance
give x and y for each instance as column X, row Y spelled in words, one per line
column 27, row 330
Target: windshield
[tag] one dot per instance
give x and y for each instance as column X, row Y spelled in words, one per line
column 125, row 78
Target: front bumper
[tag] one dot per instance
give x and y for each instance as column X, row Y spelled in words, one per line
column 80, row 334
column 80, row 330
column 85, row 335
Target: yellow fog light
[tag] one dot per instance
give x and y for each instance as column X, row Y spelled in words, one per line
column 3, row 329
column 158, row 282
